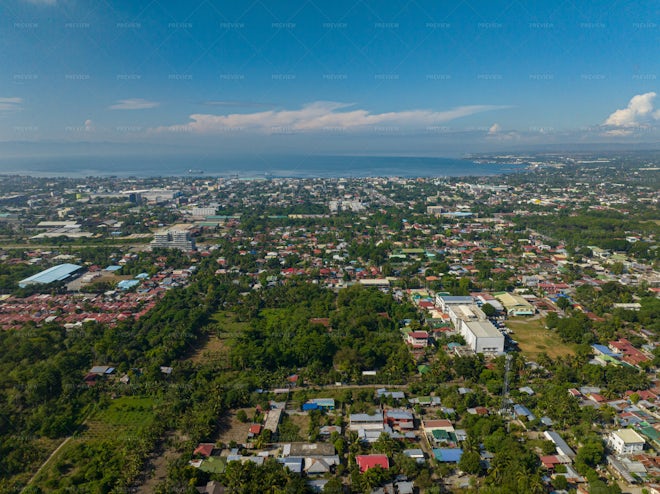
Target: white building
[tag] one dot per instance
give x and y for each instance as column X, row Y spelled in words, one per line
column 473, row 325
column 173, row 239
column 482, row 337
column 203, row 211
column 625, row 441
column 445, row 301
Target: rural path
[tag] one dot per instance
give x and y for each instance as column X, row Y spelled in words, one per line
column 43, row 465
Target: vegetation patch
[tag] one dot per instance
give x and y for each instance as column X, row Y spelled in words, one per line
column 533, row 338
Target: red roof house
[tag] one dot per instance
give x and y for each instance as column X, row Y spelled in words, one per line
column 204, row 449
column 365, row 462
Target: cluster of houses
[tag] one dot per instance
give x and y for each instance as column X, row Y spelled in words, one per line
column 132, row 296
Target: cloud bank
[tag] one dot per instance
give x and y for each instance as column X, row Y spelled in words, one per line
column 638, row 113
column 321, row 116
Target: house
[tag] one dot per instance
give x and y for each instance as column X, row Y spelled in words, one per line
column 448, row 455
column 631, row 355
column 273, row 420
column 523, row 411
column 204, row 449
column 551, row 461
column 560, row 444
column 418, row 339
column 625, row 441
column 254, row 430
column 365, row 462
column 365, row 421
column 401, row 419
column 416, row 454
column 396, row 395
column 320, row 465
column 293, row 463
column 327, row 430
column 319, row 404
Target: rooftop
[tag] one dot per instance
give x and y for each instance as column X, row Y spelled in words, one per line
column 55, row 273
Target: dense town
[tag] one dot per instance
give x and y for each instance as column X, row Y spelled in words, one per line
column 493, row 334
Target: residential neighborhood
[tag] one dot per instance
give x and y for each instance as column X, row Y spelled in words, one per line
column 385, row 335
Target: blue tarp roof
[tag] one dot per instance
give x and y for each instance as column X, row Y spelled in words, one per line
column 113, row 268
column 448, row 455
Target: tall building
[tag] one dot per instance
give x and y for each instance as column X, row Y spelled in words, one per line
column 173, row 239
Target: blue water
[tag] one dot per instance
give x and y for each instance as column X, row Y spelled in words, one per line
column 251, row 167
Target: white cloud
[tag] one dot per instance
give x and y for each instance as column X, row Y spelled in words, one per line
column 320, row 116
column 10, row 104
column 617, row 132
column 495, row 128
column 89, row 125
column 638, row 113
column 134, row 104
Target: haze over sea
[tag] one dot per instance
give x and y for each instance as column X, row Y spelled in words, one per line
column 250, row 167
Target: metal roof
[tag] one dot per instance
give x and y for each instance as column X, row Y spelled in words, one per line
column 56, row 273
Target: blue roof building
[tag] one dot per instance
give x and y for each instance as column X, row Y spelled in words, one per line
column 56, row 273
column 127, row 284
column 448, row 455
column 523, row 411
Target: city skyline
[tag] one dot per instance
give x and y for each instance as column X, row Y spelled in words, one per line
column 401, row 78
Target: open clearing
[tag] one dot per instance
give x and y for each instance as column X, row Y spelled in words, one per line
column 232, row 429
column 213, row 349
column 533, row 339
column 227, row 324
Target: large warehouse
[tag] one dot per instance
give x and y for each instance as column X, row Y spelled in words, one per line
column 56, row 273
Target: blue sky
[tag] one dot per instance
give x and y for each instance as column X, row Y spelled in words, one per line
column 399, row 77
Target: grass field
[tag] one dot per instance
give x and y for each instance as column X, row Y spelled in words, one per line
column 533, row 339
column 127, row 415
column 228, row 324
column 113, row 428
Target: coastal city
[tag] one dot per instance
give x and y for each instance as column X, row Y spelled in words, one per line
column 490, row 334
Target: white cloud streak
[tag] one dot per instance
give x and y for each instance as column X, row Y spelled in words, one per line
column 638, row 113
column 320, row 116
column 133, row 104
column 10, row 104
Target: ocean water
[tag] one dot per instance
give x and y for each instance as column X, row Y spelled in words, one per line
column 251, row 167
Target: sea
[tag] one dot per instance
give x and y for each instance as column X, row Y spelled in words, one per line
column 308, row 166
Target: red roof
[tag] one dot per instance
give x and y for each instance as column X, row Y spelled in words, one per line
column 255, row 429
column 365, row 462
column 204, row 449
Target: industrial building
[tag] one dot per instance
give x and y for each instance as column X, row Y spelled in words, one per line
column 482, row 337
column 473, row 325
column 57, row 273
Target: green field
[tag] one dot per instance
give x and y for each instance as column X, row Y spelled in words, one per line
column 95, row 457
column 126, row 416
column 533, row 339
column 227, row 323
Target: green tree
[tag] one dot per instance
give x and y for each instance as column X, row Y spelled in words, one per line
column 470, row 462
